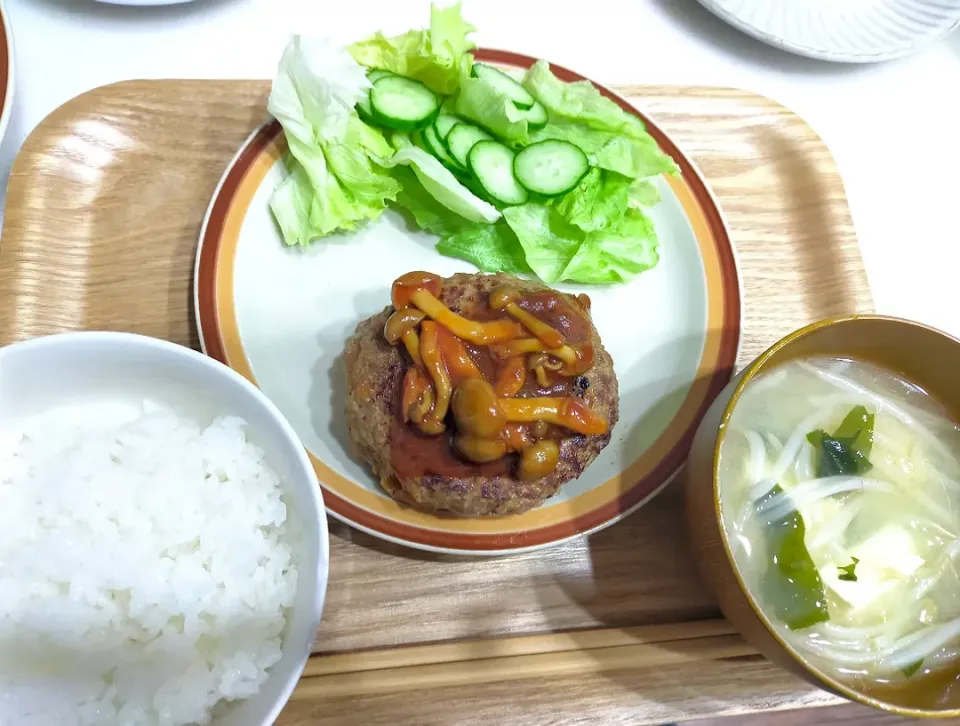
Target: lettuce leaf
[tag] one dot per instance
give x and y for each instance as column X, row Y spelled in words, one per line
column 557, row 250
column 336, row 175
column 292, row 205
column 422, row 209
column 617, row 254
column 449, row 31
column 598, row 201
column 643, row 193
column 612, row 138
column 483, row 103
column 549, row 241
column 491, row 247
column 637, row 158
column 342, row 172
column 315, row 90
column 435, row 57
column 443, row 186
column 581, row 102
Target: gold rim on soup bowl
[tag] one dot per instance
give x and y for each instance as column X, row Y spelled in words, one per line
column 923, row 355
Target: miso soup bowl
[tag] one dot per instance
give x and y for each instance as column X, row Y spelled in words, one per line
column 923, row 355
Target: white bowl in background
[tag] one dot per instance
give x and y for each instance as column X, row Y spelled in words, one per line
column 98, row 369
column 868, row 31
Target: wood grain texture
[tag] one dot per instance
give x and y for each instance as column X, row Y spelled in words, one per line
column 619, row 696
column 849, row 715
column 104, row 208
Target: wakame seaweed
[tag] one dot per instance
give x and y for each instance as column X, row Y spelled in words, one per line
column 913, row 668
column 791, row 583
column 847, row 451
column 848, row 572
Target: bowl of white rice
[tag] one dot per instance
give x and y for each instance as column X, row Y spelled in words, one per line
column 163, row 543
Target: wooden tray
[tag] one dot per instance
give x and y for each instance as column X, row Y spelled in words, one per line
column 103, row 212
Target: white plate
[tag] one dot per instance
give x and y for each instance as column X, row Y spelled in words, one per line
column 281, row 316
column 848, row 31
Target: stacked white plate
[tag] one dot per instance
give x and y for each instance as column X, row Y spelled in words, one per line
column 850, row 31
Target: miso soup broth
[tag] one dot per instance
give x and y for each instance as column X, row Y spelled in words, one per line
column 840, row 494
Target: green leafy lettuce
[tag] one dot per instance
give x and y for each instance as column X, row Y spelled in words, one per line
column 435, row 57
column 612, row 138
column 600, row 200
column 490, row 247
column 337, row 178
column 581, row 102
column 444, row 187
column 486, row 105
column 597, row 233
column 343, row 172
column 557, row 250
column 643, row 193
column 635, row 158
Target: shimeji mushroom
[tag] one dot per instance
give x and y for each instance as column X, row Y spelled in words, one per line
column 402, row 325
column 511, row 379
column 505, row 298
column 422, row 290
column 417, row 396
column 481, row 414
column 433, row 363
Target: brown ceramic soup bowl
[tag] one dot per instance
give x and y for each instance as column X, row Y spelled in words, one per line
column 922, row 355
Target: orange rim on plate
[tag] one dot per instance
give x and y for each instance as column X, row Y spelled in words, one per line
column 551, row 523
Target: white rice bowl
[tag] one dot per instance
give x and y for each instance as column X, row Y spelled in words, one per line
column 146, row 569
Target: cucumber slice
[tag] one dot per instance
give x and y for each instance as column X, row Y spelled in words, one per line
column 377, row 73
column 520, row 96
column 417, row 138
column 536, row 116
column 364, row 110
column 492, row 164
column 444, row 123
column 363, row 106
column 551, row 168
column 402, row 103
column 461, row 139
column 435, row 146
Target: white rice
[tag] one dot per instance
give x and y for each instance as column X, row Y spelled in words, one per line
column 144, row 571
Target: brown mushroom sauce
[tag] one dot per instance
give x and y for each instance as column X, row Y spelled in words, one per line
column 491, row 390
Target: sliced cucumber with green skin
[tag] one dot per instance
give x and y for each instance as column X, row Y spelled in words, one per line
column 520, row 96
column 435, row 146
column 461, row 139
column 492, row 164
column 377, row 73
column 550, row 168
column 363, row 106
column 536, row 116
column 417, row 138
column 444, row 123
column 402, row 103
column 364, row 110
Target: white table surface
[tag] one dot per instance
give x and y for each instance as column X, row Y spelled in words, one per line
column 893, row 128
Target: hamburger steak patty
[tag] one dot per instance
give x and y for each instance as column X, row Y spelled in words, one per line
column 375, row 370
